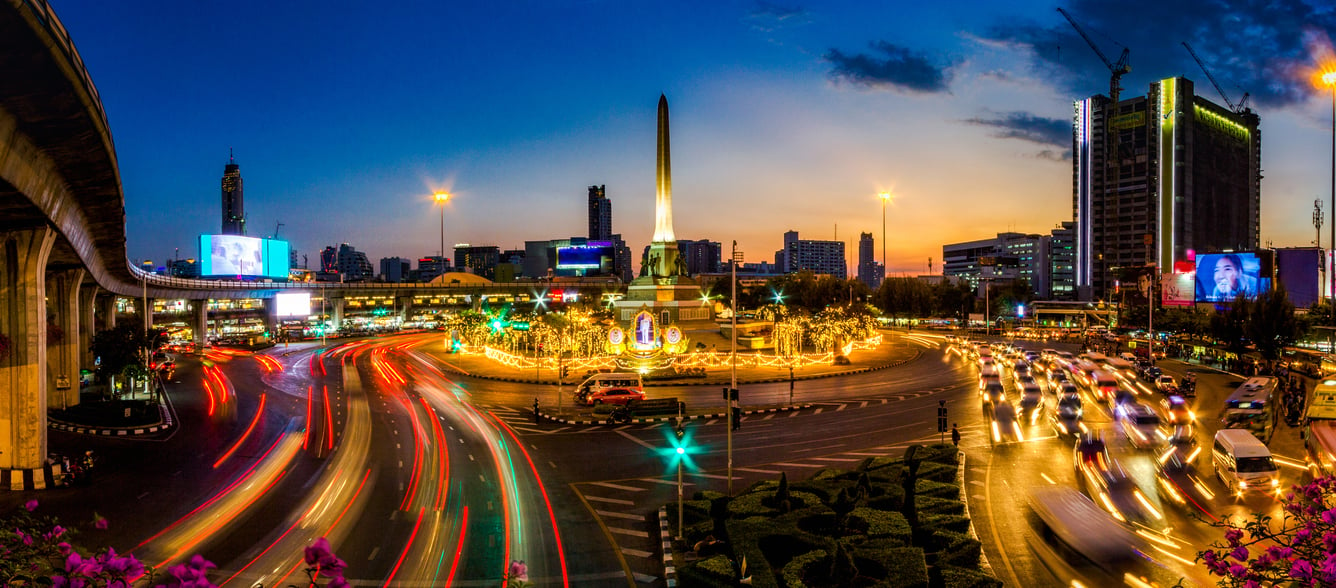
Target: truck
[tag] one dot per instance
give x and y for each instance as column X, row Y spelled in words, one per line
column 1319, row 431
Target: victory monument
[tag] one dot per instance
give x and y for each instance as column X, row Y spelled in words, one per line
column 663, row 295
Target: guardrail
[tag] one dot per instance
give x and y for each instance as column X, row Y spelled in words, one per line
column 160, row 281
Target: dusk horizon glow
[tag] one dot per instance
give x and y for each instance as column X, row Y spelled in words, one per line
column 347, row 121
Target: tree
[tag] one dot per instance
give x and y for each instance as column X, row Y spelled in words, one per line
column 1271, row 324
column 1230, row 327
column 121, row 350
column 1300, row 551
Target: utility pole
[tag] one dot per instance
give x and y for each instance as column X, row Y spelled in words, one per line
column 733, row 360
column 1317, row 225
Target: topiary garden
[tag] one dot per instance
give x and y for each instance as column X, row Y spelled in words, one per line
column 889, row 522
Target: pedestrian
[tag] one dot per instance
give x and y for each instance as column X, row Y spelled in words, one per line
column 955, row 435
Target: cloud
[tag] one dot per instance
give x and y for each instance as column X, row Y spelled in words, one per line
column 1267, row 48
column 900, row 69
column 769, row 17
column 1028, row 127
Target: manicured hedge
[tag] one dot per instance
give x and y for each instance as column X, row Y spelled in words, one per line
column 943, row 453
column 934, row 505
column 714, row 571
column 953, row 577
column 937, row 489
column 937, row 472
column 881, row 523
column 905, row 566
column 956, row 523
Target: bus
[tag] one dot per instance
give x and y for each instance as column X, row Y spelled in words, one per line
column 1253, row 406
column 1319, row 431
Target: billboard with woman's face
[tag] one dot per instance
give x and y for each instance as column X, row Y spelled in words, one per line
column 1221, row 277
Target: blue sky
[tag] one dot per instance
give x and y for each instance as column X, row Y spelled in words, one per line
column 346, row 116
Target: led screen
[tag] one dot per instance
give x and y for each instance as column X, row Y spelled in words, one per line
column 293, row 304
column 1223, row 276
column 1178, row 289
column 1298, row 270
column 237, row 256
column 582, row 257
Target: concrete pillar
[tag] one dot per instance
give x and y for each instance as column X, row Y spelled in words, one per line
column 271, row 316
column 87, row 325
column 336, row 318
column 23, row 257
column 201, row 325
column 145, row 306
column 405, row 304
column 63, row 355
column 108, row 312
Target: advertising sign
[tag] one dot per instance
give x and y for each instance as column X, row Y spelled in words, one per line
column 1299, row 271
column 582, row 257
column 293, row 304
column 1135, row 283
column 1178, row 289
column 238, row 256
column 1223, row 276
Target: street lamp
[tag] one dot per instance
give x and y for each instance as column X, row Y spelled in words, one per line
column 442, row 198
column 885, row 263
column 1329, row 79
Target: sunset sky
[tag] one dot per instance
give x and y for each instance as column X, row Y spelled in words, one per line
column 345, row 117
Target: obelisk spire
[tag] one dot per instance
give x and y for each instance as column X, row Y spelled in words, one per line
column 663, row 196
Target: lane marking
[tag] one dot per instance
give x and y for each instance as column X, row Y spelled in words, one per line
column 631, row 532
column 759, row 471
column 373, row 553
column 636, row 552
column 620, row 515
column 637, row 440
column 798, row 465
column 712, row 476
column 612, row 500
column 667, row 482
column 618, row 486
column 836, row 459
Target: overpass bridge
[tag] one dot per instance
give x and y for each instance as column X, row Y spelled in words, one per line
column 63, row 258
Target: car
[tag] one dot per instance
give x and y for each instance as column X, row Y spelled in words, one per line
column 1110, row 486
column 617, row 396
column 1090, row 449
column 1166, row 384
column 1004, row 425
column 1066, row 388
column 1021, row 379
column 1177, row 410
column 1056, row 378
column 1032, row 402
column 1020, row 368
column 1183, row 439
column 1150, row 374
column 991, row 391
column 1179, row 481
column 1139, row 424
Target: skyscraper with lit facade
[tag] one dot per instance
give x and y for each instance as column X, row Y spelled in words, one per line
column 234, row 205
column 600, row 214
column 1184, row 177
column 869, row 271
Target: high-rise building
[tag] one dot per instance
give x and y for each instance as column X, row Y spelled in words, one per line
column 329, row 260
column 394, row 269
column 431, row 266
column 702, row 257
column 353, row 264
column 234, row 204
column 1008, row 256
column 480, row 260
column 600, row 214
column 816, row 256
column 870, row 272
column 1186, row 179
column 1062, row 262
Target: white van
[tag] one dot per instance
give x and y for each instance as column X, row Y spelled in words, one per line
column 598, row 382
column 1243, row 463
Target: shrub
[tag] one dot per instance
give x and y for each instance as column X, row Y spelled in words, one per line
column 953, row 577
column 795, row 570
column 892, row 499
column 749, row 505
column 937, row 489
column 937, row 472
column 745, row 536
column 933, row 505
column 943, row 453
column 904, row 566
column 881, row 523
column 825, row 474
column 955, row 523
column 707, row 495
column 713, row 571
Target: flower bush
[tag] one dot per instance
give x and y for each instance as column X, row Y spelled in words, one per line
column 35, row 550
column 1299, row 551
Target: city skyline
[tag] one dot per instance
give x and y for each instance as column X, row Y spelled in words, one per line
column 792, row 118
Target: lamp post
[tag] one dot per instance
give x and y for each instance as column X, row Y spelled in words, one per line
column 885, row 263
column 1329, row 79
column 442, row 198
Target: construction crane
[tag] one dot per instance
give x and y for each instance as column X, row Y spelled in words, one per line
column 1116, row 70
column 277, row 226
column 1239, row 108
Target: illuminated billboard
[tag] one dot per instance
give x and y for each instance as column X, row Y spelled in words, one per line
column 237, row 256
column 1298, row 269
column 1221, row 277
column 293, row 304
column 584, row 256
column 1178, row 289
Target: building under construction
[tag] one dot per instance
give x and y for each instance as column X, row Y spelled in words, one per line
column 1184, row 178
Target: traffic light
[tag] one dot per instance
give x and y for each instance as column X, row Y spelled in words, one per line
column 941, row 416
column 737, row 417
column 564, row 371
column 730, row 393
column 680, row 430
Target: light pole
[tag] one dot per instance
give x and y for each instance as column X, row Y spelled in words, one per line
column 442, row 198
column 733, row 360
column 1329, row 79
column 885, row 263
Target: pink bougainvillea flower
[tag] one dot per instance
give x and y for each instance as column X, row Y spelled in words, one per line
column 31, row 505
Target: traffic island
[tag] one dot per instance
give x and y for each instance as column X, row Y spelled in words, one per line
column 602, row 415
column 889, row 522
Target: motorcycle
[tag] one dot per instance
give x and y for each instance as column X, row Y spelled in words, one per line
column 620, row 414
